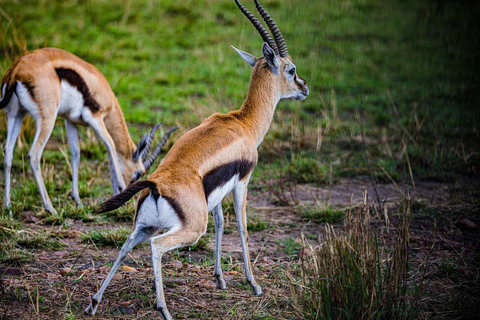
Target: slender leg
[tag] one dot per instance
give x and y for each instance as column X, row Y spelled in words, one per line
column 218, row 218
column 161, row 244
column 240, row 203
column 75, row 154
column 14, row 123
column 98, row 126
column 44, row 129
column 139, row 235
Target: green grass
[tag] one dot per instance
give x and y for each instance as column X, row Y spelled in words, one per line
column 107, row 237
column 411, row 66
column 322, row 214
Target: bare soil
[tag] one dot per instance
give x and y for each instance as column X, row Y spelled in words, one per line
column 59, row 284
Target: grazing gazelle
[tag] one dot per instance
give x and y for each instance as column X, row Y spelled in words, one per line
column 50, row 82
column 206, row 164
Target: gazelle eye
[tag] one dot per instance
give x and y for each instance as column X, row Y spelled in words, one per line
column 292, row 71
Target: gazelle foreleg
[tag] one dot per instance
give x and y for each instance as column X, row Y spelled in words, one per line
column 139, row 235
column 75, row 154
column 97, row 124
column 160, row 245
column 219, row 222
column 240, row 203
column 14, row 122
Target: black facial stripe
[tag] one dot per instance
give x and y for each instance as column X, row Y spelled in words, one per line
column 222, row 174
column 76, row 80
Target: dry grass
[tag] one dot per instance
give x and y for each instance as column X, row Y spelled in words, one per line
column 357, row 273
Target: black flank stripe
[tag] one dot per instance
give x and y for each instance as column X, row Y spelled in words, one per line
column 8, row 95
column 221, row 175
column 75, row 80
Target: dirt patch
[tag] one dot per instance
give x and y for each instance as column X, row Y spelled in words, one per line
column 59, row 284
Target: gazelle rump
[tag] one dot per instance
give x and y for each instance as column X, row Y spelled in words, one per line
column 205, row 165
column 50, row 82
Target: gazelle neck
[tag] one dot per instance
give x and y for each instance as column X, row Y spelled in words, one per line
column 117, row 128
column 259, row 106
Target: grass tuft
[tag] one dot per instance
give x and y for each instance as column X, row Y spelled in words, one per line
column 322, row 214
column 357, row 274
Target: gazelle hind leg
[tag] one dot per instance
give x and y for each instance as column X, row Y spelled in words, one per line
column 14, row 122
column 240, row 203
column 160, row 245
column 219, row 221
column 75, row 154
column 139, row 235
column 44, row 129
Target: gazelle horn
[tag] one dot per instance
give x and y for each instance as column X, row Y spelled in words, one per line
column 144, row 144
column 259, row 26
column 279, row 40
column 147, row 163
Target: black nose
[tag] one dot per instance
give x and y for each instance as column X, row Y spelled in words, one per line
column 137, row 175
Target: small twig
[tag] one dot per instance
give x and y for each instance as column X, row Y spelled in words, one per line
column 367, row 160
column 409, row 166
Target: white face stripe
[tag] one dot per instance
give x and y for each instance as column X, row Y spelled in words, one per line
column 219, row 193
column 158, row 214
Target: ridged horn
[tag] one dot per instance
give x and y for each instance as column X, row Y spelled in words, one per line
column 144, row 152
column 277, row 35
column 259, row 26
column 144, row 144
column 147, row 163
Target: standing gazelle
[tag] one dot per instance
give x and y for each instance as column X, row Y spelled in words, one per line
column 49, row 82
column 206, row 164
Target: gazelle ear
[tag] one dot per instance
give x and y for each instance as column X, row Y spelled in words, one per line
column 247, row 57
column 271, row 58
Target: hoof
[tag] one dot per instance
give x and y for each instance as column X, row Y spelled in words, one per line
column 92, row 308
column 220, row 283
column 165, row 314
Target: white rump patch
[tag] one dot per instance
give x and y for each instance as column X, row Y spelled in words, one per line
column 219, row 193
column 27, row 102
column 160, row 214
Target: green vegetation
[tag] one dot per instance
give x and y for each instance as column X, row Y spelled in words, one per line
column 406, row 68
column 107, row 237
column 321, row 215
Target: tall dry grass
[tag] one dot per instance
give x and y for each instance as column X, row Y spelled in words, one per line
column 358, row 273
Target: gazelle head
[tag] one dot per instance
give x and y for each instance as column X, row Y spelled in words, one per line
column 275, row 56
column 134, row 168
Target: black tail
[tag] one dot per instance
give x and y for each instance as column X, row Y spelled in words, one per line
column 8, row 95
column 127, row 194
